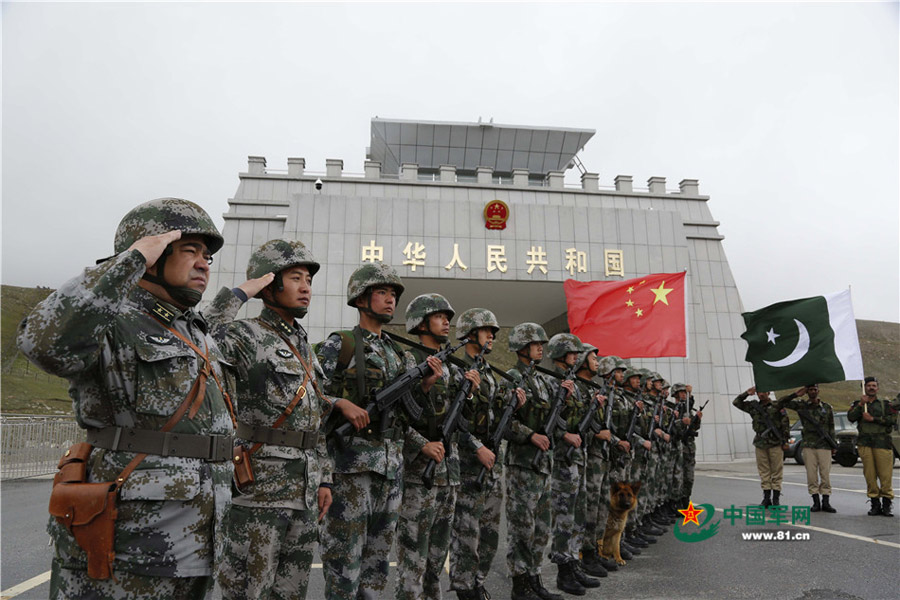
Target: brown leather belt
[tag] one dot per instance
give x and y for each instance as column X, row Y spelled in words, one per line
column 212, row 448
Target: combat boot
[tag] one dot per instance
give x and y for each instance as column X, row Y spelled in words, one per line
column 582, row 577
column 767, row 498
column 886, row 507
column 566, row 580
column 521, row 588
column 590, row 564
column 481, row 593
column 538, row 587
column 876, row 507
column 826, row 505
column 467, row 594
column 776, row 497
column 816, row 507
column 625, row 551
column 610, row 565
column 635, row 542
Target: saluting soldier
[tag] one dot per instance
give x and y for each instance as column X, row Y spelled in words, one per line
column 476, row 523
column 140, row 364
column 426, row 515
column 817, row 452
column 271, row 528
column 771, row 427
column 875, row 419
column 528, row 507
column 358, row 531
column 567, row 481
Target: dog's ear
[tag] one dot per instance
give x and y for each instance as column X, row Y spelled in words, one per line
column 636, row 486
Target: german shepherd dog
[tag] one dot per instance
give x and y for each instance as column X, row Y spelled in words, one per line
column 622, row 500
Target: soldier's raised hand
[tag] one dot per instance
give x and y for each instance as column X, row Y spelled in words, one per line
column 153, row 246
column 252, row 287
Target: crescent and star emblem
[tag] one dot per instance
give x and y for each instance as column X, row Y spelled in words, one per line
column 799, row 351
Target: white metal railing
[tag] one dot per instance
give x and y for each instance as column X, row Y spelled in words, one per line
column 31, row 445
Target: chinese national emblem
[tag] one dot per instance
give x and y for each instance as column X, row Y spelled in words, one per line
column 496, row 213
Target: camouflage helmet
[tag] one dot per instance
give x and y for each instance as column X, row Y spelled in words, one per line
column 563, row 343
column 424, row 305
column 666, row 384
column 475, row 318
column 631, row 372
column 524, row 333
column 162, row 215
column 679, row 387
column 607, row 365
column 588, row 348
column 277, row 255
column 370, row 275
column 654, row 376
column 622, row 363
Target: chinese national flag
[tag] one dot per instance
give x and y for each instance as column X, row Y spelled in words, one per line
column 636, row 318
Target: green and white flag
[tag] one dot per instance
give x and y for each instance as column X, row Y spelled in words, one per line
column 800, row 342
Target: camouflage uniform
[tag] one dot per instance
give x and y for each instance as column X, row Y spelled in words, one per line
column 476, row 522
column 271, row 528
column 426, row 516
column 106, row 335
column 636, row 465
column 528, row 503
column 689, row 453
column 358, row 531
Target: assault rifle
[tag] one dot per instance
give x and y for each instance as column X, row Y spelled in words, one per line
column 676, row 409
column 770, row 424
column 588, row 425
column 629, row 433
column 693, row 423
column 804, row 415
column 500, row 431
column 453, row 421
column 554, row 419
column 384, row 401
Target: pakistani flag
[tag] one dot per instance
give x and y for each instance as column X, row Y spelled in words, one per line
column 799, row 342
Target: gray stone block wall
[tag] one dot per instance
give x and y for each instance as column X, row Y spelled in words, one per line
column 659, row 232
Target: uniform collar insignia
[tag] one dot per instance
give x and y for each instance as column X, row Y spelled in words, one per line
column 164, row 312
column 274, row 319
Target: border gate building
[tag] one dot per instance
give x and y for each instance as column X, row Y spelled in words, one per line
column 430, row 191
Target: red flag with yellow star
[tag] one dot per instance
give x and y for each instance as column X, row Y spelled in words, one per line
column 636, row 318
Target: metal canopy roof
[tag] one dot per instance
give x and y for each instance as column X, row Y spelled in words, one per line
column 467, row 146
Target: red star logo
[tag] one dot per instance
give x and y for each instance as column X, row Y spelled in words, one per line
column 691, row 514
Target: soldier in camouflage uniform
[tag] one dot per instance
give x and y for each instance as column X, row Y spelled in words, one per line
column 528, row 501
column 426, row 515
column 817, row 452
column 358, row 531
column 772, row 428
column 635, row 459
column 875, row 420
column 476, row 523
column 652, row 523
column 271, row 527
column 679, row 406
column 126, row 337
column 596, row 496
column 567, row 480
column 689, row 446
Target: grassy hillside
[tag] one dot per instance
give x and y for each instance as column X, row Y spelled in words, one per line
column 26, row 389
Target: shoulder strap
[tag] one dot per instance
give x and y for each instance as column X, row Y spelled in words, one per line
column 360, row 363
column 347, row 346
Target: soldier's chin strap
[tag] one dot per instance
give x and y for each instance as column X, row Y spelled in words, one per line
column 384, row 319
column 298, row 312
column 184, row 296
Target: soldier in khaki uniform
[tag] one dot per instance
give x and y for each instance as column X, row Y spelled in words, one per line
column 271, row 528
column 817, row 452
column 875, row 419
column 772, row 427
column 127, row 338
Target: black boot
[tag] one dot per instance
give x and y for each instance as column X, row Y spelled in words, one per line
column 481, row 593
column 767, row 498
column 826, row 505
column 582, row 577
column 625, row 551
column 538, row 586
column 635, row 542
column 467, row 594
column 776, row 497
column 521, row 588
column 816, row 507
column 886, row 507
column 566, row 580
column 876, row 507
column 610, row 565
column 590, row 564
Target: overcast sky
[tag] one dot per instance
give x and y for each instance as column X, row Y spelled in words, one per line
column 786, row 113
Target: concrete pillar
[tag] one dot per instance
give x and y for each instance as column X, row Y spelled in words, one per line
column 296, row 166
column 448, row 174
column 409, row 171
column 624, row 183
column 557, row 179
column 657, row 185
column 373, row 169
column 590, row 182
column 689, row 187
column 334, row 167
column 484, row 175
column 520, row 177
column 256, row 165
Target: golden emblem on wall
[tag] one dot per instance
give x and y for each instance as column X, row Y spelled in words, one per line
column 496, row 213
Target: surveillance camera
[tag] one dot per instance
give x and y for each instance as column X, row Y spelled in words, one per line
column 318, row 184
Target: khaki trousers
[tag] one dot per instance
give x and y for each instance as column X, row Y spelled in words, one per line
column 818, row 470
column 877, row 462
column 770, row 464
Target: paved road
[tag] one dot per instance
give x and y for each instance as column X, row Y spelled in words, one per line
column 848, row 555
